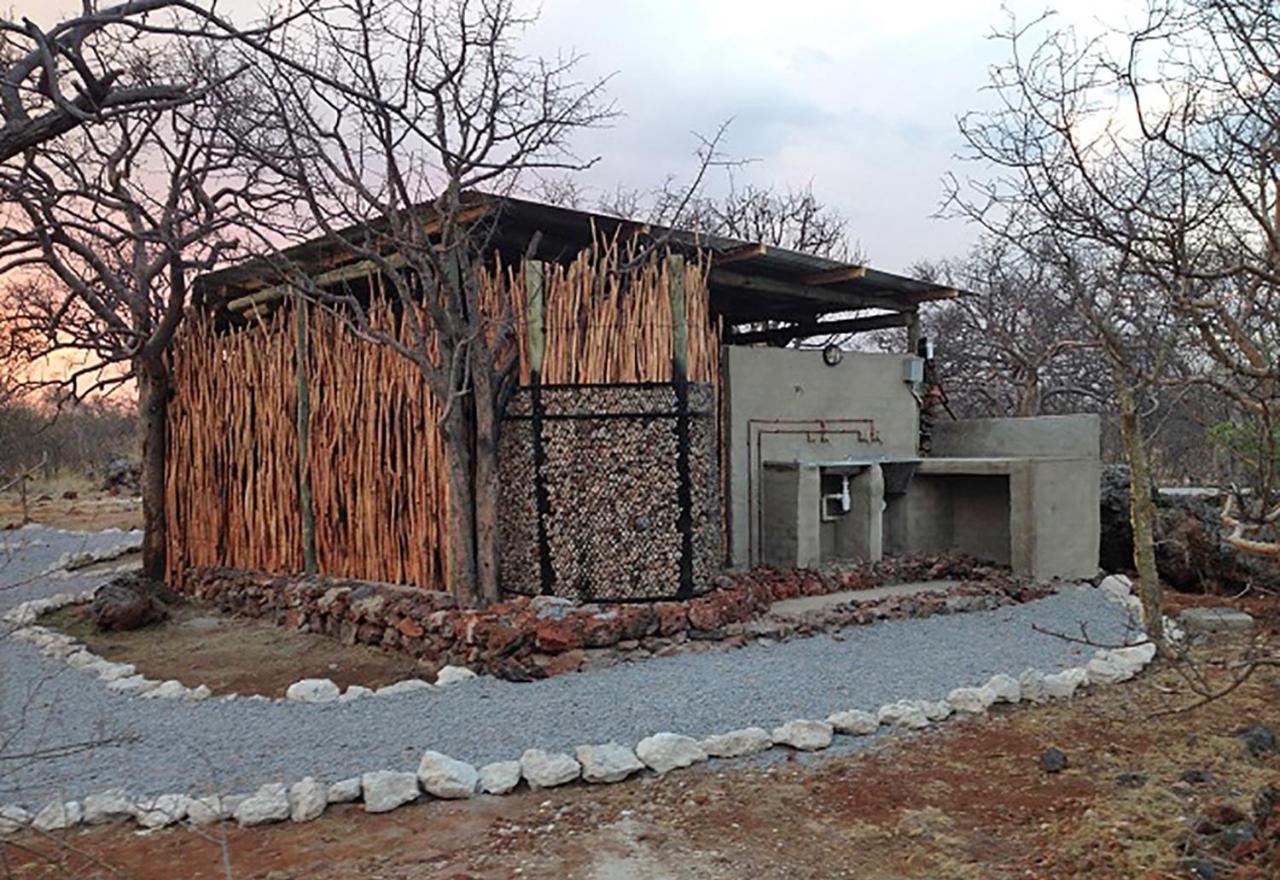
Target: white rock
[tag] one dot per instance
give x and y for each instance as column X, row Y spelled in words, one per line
column 904, row 713
column 207, row 810
column 1063, row 685
column 547, row 769
column 313, row 690
column 162, row 811
column 936, row 710
column 344, row 791
column 803, row 734
column 1031, row 682
column 108, row 671
column 134, row 684
column 385, row 790
column 664, row 752
column 199, row 694
column 971, row 700
column 608, row 762
column 167, row 690
column 1005, row 687
column 408, row 686
column 82, row 659
column 854, row 722
column 737, row 743
column 453, row 675
column 1117, row 587
column 445, row 777
column 13, row 818
column 355, row 692
column 270, row 803
column 499, row 777
column 1111, row 666
column 307, row 799
column 58, row 815
column 107, row 806
column 1139, row 655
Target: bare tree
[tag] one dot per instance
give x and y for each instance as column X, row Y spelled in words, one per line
column 1164, row 155
column 103, row 227
column 436, row 103
column 1018, row 349
column 91, row 67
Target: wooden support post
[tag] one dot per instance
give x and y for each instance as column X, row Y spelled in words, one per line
column 534, row 274
column 680, row 379
column 913, row 333
column 535, row 311
column 302, row 361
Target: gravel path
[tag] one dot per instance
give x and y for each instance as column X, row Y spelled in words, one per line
column 235, row 746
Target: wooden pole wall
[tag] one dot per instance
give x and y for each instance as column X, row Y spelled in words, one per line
column 375, row 458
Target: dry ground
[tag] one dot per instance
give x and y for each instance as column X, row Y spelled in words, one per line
column 967, row 800
column 199, row 645
column 91, row 509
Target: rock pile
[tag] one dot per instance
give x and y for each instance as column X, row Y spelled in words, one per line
column 525, row 639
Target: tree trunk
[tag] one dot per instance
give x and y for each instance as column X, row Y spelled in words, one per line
column 1028, row 396
column 1142, row 515
column 462, row 548
column 153, row 408
column 486, row 476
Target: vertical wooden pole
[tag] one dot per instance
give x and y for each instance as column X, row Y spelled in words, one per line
column 535, row 312
column 913, row 333
column 680, row 379
column 301, row 361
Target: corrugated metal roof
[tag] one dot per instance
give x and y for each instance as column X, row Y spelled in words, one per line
column 750, row 281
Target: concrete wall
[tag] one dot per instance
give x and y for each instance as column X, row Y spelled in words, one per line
column 1054, row 467
column 1074, row 436
column 947, row 512
column 777, row 390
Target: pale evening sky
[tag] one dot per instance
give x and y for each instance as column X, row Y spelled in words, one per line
column 857, row 98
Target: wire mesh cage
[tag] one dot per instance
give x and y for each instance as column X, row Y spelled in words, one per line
column 610, row 492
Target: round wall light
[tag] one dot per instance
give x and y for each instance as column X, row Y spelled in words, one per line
column 832, row 355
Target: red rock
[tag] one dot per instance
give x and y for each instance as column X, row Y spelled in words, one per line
column 555, row 636
column 672, row 617
column 601, row 632
column 569, row 661
column 705, row 614
column 410, row 628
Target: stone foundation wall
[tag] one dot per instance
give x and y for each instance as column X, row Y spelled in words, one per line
column 612, row 507
column 530, row 638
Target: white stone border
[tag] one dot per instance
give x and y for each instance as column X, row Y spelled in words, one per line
column 439, row 776
column 123, row 678
column 68, row 564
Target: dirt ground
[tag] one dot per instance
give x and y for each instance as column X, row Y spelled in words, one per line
column 200, row 645
column 966, row 800
column 90, row 510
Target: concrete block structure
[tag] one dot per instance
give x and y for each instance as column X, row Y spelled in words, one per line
column 669, row 421
column 824, row 464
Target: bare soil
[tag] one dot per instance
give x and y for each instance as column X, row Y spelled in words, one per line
column 966, row 800
column 90, row 510
column 200, row 645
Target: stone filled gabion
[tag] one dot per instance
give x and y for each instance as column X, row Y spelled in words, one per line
column 612, row 486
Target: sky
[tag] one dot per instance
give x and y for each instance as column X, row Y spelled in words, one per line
column 857, row 99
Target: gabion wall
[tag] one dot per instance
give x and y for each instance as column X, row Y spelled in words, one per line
column 604, row 502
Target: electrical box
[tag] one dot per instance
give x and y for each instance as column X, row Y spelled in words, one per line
column 913, row 370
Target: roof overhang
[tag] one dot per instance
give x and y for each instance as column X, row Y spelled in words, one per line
column 750, row 282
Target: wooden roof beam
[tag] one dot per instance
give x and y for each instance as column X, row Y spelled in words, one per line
column 806, row 329
column 738, row 254
column 834, row 276
column 834, row 299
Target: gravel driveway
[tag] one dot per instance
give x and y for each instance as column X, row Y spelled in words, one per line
column 158, row 746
